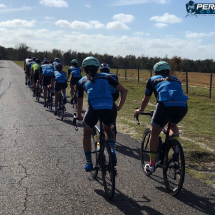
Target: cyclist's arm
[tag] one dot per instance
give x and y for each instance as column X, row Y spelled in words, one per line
column 123, row 92
column 53, row 80
column 41, row 74
column 24, row 65
column 68, row 76
column 80, row 101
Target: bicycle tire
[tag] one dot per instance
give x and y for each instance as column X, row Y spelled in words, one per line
column 174, row 169
column 95, row 155
column 107, row 167
column 145, row 158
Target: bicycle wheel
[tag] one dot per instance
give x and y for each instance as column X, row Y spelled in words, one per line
column 175, row 170
column 95, row 154
column 108, row 171
column 145, row 158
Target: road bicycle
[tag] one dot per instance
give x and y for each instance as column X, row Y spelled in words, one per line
column 50, row 97
column 74, row 100
column 102, row 159
column 61, row 107
column 173, row 164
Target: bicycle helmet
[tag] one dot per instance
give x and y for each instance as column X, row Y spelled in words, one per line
column 74, row 61
column 57, row 59
column 104, row 67
column 34, row 59
column 90, row 61
column 59, row 67
column 37, row 61
column 45, row 62
column 162, row 65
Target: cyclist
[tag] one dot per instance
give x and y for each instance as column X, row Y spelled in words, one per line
column 100, row 105
column 26, row 69
column 170, row 102
column 51, row 62
column 47, row 72
column 105, row 68
column 56, row 61
column 59, row 77
column 35, row 71
column 75, row 71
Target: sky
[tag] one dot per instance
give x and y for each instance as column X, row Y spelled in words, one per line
column 116, row 27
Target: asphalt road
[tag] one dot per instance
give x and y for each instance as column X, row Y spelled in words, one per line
column 41, row 165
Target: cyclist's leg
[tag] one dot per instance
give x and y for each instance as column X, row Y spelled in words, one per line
column 72, row 83
column 64, row 86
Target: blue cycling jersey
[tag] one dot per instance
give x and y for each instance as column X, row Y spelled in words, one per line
column 75, row 71
column 167, row 90
column 114, row 76
column 98, row 92
column 47, row 69
column 60, row 77
column 54, row 64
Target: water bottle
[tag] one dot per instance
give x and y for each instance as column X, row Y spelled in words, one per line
column 96, row 139
column 98, row 147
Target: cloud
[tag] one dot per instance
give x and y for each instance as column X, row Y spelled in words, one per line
column 133, row 2
column 9, row 10
column 74, row 24
column 198, row 35
column 97, row 24
column 124, row 18
column 87, row 5
column 54, row 3
column 161, row 25
column 117, row 26
column 18, row 23
column 139, row 34
column 49, row 17
column 167, row 18
column 2, row 5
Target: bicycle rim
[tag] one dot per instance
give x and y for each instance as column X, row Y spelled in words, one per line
column 94, row 154
column 174, row 173
column 145, row 158
column 108, row 172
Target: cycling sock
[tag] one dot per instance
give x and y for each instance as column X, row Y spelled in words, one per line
column 153, row 156
column 112, row 144
column 55, row 108
column 64, row 95
column 174, row 137
column 88, row 157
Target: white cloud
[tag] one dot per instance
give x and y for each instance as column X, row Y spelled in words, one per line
column 198, row 35
column 18, row 23
column 140, row 34
column 49, row 17
column 54, row 3
column 87, row 5
column 125, row 18
column 74, row 24
column 161, row 25
column 132, row 2
column 2, row 5
column 117, row 26
column 44, row 39
column 9, row 10
column 167, row 18
column 97, row 24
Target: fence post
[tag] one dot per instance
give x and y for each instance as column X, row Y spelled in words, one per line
column 150, row 72
column 138, row 69
column 125, row 73
column 210, row 86
column 186, row 83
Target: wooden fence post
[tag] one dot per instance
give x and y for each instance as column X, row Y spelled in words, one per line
column 125, row 73
column 210, row 86
column 186, row 83
column 138, row 69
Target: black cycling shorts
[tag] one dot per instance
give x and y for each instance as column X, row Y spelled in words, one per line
column 115, row 95
column 36, row 76
column 92, row 116
column 46, row 80
column 60, row 86
column 27, row 71
column 162, row 114
column 74, row 80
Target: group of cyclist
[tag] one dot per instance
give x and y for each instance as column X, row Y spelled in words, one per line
column 103, row 90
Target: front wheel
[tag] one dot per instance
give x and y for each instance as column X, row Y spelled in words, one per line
column 145, row 158
column 174, row 172
column 108, row 171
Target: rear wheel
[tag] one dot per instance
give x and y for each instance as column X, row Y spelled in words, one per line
column 95, row 154
column 175, row 171
column 145, row 158
column 108, row 171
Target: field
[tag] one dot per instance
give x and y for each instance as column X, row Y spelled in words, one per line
column 196, row 129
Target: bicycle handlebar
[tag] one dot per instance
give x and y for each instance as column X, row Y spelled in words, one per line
column 149, row 114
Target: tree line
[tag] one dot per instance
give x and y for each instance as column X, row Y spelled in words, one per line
column 21, row 51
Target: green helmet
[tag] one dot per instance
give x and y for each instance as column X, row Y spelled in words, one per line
column 90, row 61
column 162, row 65
column 74, row 61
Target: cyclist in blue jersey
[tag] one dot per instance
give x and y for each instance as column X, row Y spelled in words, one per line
column 171, row 101
column 105, row 68
column 47, row 72
column 56, row 61
column 100, row 105
column 59, row 77
column 75, row 72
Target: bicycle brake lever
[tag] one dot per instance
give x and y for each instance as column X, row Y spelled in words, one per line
column 137, row 120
